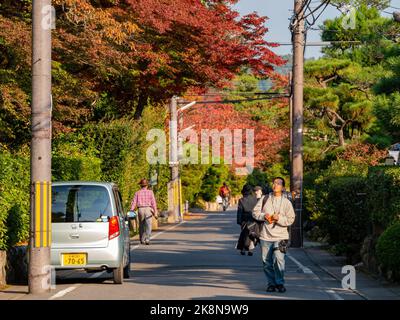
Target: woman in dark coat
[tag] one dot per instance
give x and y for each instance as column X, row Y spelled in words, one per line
column 244, row 218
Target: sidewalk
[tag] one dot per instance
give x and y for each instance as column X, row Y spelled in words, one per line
column 369, row 287
column 13, row 292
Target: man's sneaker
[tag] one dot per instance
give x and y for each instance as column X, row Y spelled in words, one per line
column 271, row 288
column 281, row 288
column 242, row 252
column 249, row 253
column 147, row 242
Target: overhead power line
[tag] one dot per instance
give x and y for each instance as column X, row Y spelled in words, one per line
column 233, row 93
column 238, row 100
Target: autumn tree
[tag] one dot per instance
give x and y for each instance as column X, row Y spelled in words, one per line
column 267, row 141
column 190, row 43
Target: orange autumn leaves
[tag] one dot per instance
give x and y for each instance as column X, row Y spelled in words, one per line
column 267, row 141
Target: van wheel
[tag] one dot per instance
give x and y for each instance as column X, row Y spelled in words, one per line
column 119, row 274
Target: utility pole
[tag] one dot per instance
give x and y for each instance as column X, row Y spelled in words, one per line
column 174, row 193
column 39, row 276
column 291, row 126
column 297, row 122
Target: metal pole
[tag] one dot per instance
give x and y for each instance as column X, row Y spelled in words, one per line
column 291, row 127
column 174, row 164
column 297, row 121
column 39, row 276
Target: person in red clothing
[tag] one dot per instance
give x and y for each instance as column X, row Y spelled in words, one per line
column 145, row 201
column 225, row 194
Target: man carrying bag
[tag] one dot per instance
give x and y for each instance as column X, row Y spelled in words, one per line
column 145, row 201
column 277, row 215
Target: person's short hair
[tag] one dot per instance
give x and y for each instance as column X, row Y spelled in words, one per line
column 280, row 178
column 256, row 188
column 247, row 189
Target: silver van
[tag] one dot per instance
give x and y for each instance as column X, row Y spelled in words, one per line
column 90, row 229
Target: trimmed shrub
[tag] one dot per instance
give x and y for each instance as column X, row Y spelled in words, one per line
column 336, row 201
column 73, row 168
column 388, row 249
column 345, row 218
column 384, row 195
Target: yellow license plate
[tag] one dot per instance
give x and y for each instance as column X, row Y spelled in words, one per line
column 74, row 259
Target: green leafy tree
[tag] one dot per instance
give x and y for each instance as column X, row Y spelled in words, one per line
column 334, row 100
column 376, row 36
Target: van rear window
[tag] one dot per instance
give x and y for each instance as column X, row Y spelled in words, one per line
column 80, row 203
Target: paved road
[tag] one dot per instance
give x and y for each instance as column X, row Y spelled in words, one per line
column 197, row 260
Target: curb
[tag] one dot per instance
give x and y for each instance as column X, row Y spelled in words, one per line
column 332, row 274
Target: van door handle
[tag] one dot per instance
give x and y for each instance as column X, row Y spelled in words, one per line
column 74, row 236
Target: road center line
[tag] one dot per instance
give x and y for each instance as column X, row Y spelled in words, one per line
column 170, row 228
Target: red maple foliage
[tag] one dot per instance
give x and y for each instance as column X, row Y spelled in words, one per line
column 193, row 43
column 267, row 142
column 364, row 153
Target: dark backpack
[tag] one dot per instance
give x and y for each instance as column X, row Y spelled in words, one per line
column 256, row 226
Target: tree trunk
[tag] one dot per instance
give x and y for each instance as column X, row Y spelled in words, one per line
column 140, row 106
column 341, row 137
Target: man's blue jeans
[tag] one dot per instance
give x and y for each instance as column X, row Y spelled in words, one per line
column 273, row 262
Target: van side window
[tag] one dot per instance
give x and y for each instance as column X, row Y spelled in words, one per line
column 118, row 202
column 121, row 202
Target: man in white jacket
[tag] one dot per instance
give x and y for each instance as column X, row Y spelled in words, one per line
column 277, row 215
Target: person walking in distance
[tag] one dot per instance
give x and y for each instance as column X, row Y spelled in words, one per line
column 225, row 194
column 277, row 214
column 145, row 201
column 244, row 218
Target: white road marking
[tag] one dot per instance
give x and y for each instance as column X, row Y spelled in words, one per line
column 307, row 270
column 173, row 227
column 160, row 233
column 334, row 295
column 301, row 266
column 63, row 293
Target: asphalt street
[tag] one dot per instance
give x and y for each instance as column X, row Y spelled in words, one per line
column 197, row 259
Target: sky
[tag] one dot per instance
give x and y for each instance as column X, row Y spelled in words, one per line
column 279, row 13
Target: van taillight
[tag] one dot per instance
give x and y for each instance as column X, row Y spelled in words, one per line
column 113, row 228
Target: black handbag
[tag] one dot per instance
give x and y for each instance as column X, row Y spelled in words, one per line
column 254, row 228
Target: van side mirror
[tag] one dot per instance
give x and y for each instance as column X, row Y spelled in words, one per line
column 131, row 214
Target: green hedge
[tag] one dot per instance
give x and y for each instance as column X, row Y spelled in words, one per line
column 384, row 194
column 388, row 249
column 346, row 218
column 14, row 199
column 121, row 146
column 74, row 168
column 335, row 200
column 349, row 201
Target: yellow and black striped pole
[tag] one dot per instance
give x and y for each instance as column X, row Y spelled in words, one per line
column 41, row 220
column 39, row 276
